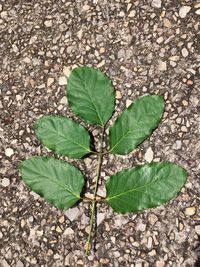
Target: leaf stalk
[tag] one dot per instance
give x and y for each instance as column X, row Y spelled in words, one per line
column 93, row 207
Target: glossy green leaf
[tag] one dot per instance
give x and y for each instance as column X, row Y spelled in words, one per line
column 135, row 124
column 91, row 95
column 57, row 181
column 144, row 186
column 63, row 136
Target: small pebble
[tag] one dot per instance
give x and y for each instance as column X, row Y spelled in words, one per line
column 184, row 129
column 197, row 12
column 190, row 211
column 152, row 253
column 197, row 229
column 152, row 219
column 162, row 65
column 50, row 81
column 102, row 50
column 61, row 219
column 100, row 218
column 183, row 11
column 174, row 58
column 4, row 263
column 118, row 94
column 141, row 227
column 185, row 103
column 5, row 182
column 1, row 235
column 180, row 226
column 156, row 3
column 184, row 52
column 132, row 14
column 72, row 214
column 62, row 80
column 160, row 40
column 48, row 23
column 149, row 155
column 58, row 229
column 160, row 264
column 167, row 23
column 9, row 152
column 63, row 100
column 68, row 231
column 128, row 103
column 19, row 264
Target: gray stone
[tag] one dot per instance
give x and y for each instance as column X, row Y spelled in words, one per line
column 68, row 231
column 100, row 218
column 183, row 11
column 4, row 263
column 72, row 214
column 19, row 264
column 197, row 229
column 156, row 3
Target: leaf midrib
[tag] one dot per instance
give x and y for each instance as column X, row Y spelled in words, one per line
column 95, row 109
column 53, row 181
column 123, row 136
column 120, row 140
column 134, row 189
column 57, row 132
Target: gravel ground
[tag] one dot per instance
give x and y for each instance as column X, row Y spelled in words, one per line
column 145, row 47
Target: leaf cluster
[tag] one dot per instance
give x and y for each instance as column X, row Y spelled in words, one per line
column 91, row 97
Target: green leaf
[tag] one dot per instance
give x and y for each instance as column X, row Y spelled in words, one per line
column 91, row 95
column 63, row 136
column 144, row 186
column 135, row 124
column 57, row 181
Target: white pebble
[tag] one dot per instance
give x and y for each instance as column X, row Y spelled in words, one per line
column 62, row 80
column 183, row 11
column 160, row 40
column 132, row 14
column 19, row 264
column 9, row 152
column 197, row 11
column 63, row 100
column 174, row 58
column 128, row 103
column 27, row 60
column 141, row 227
column 5, row 182
column 68, row 231
column 149, row 155
column 48, row 23
column 79, row 34
column 184, row 52
column 178, row 144
column 162, row 65
column 156, row 3
column 66, row 71
column 197, row 229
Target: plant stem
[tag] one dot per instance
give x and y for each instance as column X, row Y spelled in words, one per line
column 93, row 207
